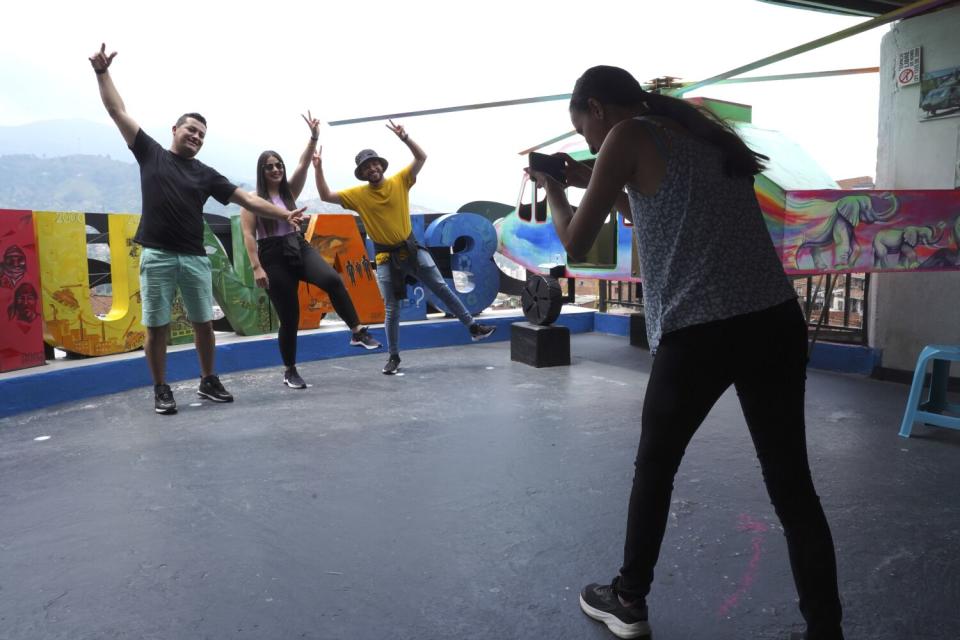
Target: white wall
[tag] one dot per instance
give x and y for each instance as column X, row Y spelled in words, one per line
column 910, row 310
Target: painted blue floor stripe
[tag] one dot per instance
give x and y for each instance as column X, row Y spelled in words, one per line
column 39, row 388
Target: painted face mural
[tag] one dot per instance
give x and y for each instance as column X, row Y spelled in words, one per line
column 24, row 306
column 14, row 267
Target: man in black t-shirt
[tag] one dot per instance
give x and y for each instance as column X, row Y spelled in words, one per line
column 175, row 186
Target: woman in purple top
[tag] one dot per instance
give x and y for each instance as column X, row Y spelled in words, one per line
column 720, row 312
column 281, row 257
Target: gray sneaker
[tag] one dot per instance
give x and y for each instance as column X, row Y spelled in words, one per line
column 600, row 602
column 362, row 338
column 480, row 331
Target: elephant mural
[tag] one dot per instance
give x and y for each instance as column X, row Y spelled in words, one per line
column 946, row 257
column 838, row 230
column 903, row 243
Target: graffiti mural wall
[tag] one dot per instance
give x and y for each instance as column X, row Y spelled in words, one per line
column 336, row 238
column 21, row 322
column 71, row 323
column 843, row 231
column 821, row 231
column 46, row 292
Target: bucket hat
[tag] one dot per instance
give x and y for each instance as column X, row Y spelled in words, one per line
column 364, row 156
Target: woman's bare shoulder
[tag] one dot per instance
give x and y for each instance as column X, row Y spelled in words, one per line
column 634, row 134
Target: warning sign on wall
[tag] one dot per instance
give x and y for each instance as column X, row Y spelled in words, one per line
column 908, row 67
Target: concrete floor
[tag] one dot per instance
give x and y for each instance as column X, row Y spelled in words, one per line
column 471, row 497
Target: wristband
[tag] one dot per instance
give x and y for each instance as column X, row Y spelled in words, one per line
column 99, row 72
column 312, row 139
column 404, row 138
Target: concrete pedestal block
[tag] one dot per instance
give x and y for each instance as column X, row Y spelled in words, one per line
column 638, row 331
column 539, row 346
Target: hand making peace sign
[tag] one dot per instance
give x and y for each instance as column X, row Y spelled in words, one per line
column 313, row 123
column 399, row 130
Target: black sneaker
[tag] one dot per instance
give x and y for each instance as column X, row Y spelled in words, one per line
column 392, row 366
column 292, row 379
column 600, row 602
column 363, row 339
column 163, row 401
column 211, row 389
column 480, row 331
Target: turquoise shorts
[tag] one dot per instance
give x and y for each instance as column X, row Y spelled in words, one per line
column 162, row 273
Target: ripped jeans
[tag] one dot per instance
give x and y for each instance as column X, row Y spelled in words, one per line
column 430, row 277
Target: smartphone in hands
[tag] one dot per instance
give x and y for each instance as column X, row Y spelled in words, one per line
column 553, row 166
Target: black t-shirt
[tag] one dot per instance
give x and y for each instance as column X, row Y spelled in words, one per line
column 174, row 191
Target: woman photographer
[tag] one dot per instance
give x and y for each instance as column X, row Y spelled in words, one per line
column 719, row 312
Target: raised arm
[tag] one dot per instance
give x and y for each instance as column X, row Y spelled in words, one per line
column 248, row 222
column 259, row 206
column 578, row 175
column 419, row 156
column 299, row 176
column 326, row 194
column 117, row 111
column 627, row 153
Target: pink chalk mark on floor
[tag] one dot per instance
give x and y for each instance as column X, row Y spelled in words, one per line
column 757, row 529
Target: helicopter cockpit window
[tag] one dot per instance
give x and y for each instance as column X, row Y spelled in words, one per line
column 603, row 253
column 527, row 210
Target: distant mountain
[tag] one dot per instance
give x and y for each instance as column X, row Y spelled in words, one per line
column 73, row 165
column 76, row 183
column 96, row 184
column 78, row 165
column 53, row 138
column 70, row 183
column 57, row 138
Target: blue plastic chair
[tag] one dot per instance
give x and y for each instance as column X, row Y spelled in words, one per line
column 931, row 411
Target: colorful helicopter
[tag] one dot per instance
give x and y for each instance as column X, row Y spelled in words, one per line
column 817, row 227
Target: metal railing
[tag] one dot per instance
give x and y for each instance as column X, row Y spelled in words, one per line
column 835, row 304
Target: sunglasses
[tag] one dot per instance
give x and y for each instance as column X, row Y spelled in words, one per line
column 270, row 166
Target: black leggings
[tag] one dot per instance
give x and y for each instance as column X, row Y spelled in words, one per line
column 764, row 356
column 284, row 272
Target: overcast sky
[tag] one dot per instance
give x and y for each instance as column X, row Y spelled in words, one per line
column 252, row 67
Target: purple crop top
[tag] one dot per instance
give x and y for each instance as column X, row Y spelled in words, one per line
column 281, row 228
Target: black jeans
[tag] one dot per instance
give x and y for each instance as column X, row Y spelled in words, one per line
column 764, row 355
column 286, row 265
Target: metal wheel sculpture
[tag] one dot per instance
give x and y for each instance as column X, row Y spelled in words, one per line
column 542, row 299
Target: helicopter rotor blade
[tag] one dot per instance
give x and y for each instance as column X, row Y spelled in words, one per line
column 784, row 76
column 801, row 76
column 566, row 96
column 898, row 14
column 466, row 107
column 921, row 6
column 547, row 143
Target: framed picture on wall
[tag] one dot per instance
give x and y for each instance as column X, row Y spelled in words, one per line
column 940, row 94
column 956, row 172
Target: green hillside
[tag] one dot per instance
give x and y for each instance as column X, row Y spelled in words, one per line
column 76, row 183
